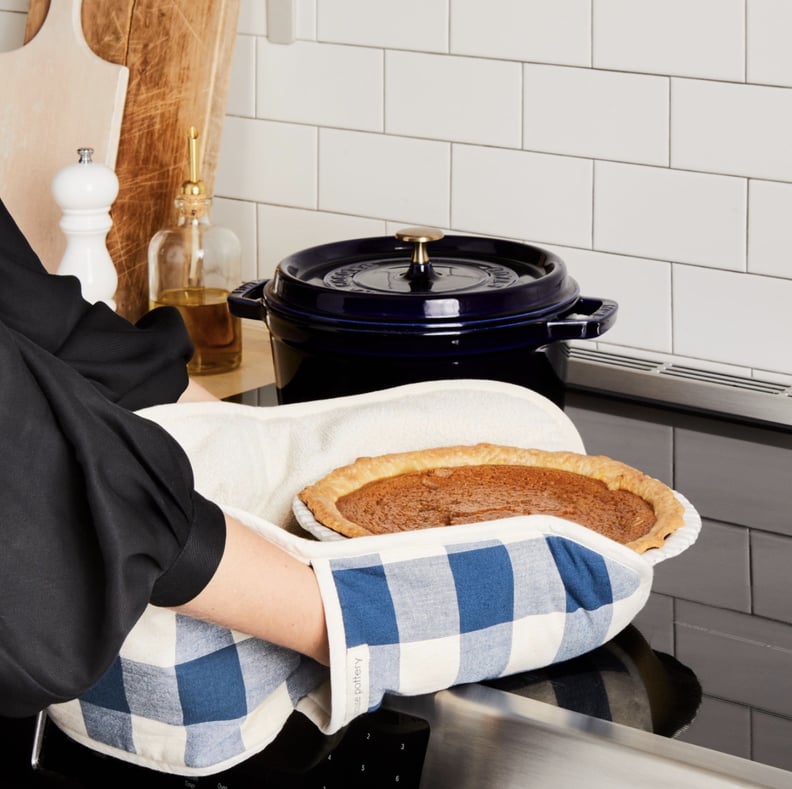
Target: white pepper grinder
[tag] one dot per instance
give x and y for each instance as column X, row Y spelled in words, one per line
column 85, row 191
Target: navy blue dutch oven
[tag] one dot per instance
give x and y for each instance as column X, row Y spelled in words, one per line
column 370, row 313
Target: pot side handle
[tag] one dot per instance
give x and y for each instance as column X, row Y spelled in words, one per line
column 588, row 318
column 246, row 301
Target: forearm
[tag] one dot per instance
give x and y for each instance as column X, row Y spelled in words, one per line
column 195, row 393
column 260, row 590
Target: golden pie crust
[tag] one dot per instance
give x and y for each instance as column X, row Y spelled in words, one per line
column 465, row 484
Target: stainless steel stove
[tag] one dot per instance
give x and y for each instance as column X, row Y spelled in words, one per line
column 695, row 693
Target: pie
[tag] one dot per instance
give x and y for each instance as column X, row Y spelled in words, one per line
column 445, row 486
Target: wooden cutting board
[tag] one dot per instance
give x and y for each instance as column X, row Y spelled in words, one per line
column 56, row 96
column 179, row 55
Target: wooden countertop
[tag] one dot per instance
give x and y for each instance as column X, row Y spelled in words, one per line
column 256, row 369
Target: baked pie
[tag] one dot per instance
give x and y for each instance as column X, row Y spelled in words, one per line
column 444, row 486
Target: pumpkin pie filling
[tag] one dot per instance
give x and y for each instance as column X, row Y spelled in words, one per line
column 455, row 485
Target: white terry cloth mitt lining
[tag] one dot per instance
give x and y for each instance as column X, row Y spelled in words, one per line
column 407, row 613
column 256, row 459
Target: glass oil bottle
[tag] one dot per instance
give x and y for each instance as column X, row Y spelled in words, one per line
column 193, row 267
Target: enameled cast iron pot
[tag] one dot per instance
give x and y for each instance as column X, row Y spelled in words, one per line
column 370, row 313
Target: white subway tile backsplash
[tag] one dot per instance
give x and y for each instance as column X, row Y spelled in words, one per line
column 397, row 24
column 730, row 317
column 769, row 56
column 628, row 127
column 239, row 216
column 453, row 98
column 697, row 38
column 521, row 195
column 242, row 84
column 329, row 85
column 376, row 175
column 284, row 231
column 548, row 31
column 252, row 17
column 267, row 162
column 670, row 215
column 770, row 228
column 734, row 129
column 306, row 19
column 601, row 114
column 642, row 289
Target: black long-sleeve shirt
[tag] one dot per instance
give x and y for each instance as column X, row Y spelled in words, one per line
column 98, row 515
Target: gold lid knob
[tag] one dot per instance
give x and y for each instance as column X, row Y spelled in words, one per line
column 420, row 237
column 419, row 234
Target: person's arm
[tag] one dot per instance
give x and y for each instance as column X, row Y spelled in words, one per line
column 98, row 518
column 135, row 365
column 98, row 513
column 262, row 591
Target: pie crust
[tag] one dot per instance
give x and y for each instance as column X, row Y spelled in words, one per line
column 601, row 496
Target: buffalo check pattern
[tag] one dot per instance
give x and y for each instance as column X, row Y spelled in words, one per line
column 470, row 611
column 406, row 615
column 222, row 697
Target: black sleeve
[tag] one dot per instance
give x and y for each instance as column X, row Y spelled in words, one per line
column 98, row 512
column 134, row 365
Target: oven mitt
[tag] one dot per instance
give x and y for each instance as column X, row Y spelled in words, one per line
column 190, row 697
column 416, row 612
column 407, row 613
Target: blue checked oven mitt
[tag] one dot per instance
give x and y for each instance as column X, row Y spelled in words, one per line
column 407, row 613
column 414, row 613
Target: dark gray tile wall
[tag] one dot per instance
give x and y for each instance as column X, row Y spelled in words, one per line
column 772, row 740
column 628, row 437
column 735, row 479
column 771, row 560
column 724, row 607
column 722, row 726
column 733, row 655
column 656, row 623
column 714, row 570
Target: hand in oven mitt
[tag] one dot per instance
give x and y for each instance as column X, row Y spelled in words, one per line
column 417, row 612
column 407, row 613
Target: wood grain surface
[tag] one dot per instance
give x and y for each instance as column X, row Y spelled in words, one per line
column 179, row 54
column 56, row 96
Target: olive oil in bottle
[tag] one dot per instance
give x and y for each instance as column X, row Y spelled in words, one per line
column 193, row 267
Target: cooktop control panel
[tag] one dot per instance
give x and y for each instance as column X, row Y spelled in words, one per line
column 381, row 749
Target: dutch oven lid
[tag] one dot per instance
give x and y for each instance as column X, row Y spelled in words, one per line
column 420, row 276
